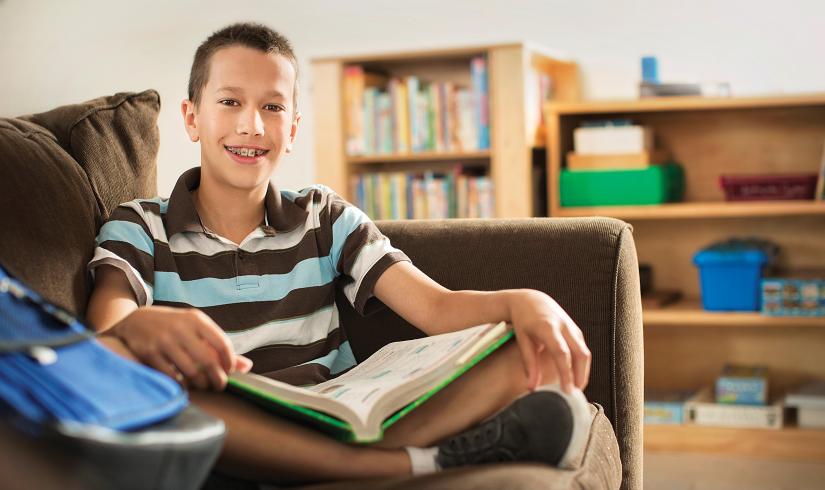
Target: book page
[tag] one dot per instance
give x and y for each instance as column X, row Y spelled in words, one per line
column 396, row 364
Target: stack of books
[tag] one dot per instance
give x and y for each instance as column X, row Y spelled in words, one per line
column 615, row 163
column 461, row 193
column 741, row 400
column 613, row 144
column 385, row 115
column 809, row 402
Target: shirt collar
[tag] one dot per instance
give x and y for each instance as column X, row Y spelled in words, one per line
column 282, row 215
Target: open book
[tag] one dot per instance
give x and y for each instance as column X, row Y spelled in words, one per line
column 361, row 404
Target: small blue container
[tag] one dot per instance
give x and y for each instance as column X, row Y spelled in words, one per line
column 730, row 273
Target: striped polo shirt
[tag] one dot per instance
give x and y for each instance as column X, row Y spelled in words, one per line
column 274, row 293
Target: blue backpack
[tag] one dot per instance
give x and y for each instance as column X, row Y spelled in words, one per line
column 128, row 425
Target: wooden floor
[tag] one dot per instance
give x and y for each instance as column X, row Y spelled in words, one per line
column 671, row 471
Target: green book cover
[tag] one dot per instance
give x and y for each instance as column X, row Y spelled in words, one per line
column 296, row 404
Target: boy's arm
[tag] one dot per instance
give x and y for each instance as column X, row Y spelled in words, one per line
column 539, row 322
column 175, row 341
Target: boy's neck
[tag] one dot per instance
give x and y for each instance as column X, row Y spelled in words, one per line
column 231, row 213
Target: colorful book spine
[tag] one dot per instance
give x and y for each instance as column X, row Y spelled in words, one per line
column 413, row 109
column 353, row 108
column 478, row 70
column 401, row 116
column 437, row 117
column 431, row 195
column 370, row 121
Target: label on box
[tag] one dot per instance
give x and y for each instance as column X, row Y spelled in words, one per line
column 793, row 297
column 742, row 385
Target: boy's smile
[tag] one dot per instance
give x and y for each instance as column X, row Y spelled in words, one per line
column 245, row 120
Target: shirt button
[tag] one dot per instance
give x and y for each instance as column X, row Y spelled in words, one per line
column 240, row 254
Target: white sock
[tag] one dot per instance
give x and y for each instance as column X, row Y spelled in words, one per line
column 422, row 460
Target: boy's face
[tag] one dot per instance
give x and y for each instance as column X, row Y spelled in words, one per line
column 245, row 120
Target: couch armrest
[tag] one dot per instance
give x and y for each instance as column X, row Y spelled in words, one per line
column 588, row 265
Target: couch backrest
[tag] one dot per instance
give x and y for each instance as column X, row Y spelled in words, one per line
column 61, row 174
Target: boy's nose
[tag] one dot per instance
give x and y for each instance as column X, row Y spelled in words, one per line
column 251, row 122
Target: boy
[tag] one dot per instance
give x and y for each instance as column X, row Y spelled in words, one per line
column 230, row 265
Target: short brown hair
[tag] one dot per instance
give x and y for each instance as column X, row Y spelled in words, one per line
column 251, row 35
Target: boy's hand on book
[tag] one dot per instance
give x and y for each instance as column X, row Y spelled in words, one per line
column 185, row 344
column 542, row 326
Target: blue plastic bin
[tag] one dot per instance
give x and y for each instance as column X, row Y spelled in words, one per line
column 730, row 273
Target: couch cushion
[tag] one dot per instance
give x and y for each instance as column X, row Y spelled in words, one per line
column 60, row 174
column 115, row 140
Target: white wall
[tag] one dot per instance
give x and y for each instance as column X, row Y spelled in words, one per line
column 56, row 52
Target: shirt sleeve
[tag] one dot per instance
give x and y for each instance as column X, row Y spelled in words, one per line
column 359, row 250
column 125, row 242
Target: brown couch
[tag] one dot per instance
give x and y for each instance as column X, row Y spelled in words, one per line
column 63, row 171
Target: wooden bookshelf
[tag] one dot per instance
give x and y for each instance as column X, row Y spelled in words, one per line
column 685, row 346
column 788, row 443
column 513, row 114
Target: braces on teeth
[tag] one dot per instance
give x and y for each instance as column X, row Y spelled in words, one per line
column 246, row 152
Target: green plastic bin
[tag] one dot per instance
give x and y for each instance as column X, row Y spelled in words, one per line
column 653, row 185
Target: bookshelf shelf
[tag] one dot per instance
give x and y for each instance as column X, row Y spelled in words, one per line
column 420, row 157
column 698, row 210
column 514, row 72
column 689, row 313
column 787, row 443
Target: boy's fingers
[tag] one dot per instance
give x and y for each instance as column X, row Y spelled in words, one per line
column 580, row 357
column 217, row 377
column 212, row 334
column 560, row 353
column 160, row 363
column 203, row 353
column 528, row 356
column 242, row 364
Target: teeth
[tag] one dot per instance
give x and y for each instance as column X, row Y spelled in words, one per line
column 246, row 152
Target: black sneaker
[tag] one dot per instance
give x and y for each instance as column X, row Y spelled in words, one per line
column 546, row 426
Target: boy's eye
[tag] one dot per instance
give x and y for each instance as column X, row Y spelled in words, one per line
column 274, row 107
column 228, row 102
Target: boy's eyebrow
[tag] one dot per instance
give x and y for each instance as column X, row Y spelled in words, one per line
column 271, row 93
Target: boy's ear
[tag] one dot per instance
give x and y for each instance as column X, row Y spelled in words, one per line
column 293, row 131
column 187, row 110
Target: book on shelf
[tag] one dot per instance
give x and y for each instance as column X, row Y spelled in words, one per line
column 359, row 405
column 643, row 159
column 357, row 84
column 742, row 385
column 809, row 402
column 810, row 395
column 665, row 407
column 389, row 114
column 459, row 193
column 478, row 70
column 810, row 418
column 701, row 409
column 610, row 139
column 538, row 91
